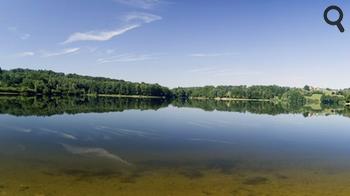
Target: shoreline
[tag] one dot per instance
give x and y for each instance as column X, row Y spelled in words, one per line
column 230, row 99
column 17, row 94
column 138, row 97
column 126, row 96
column 8, row 93
column 88, row 95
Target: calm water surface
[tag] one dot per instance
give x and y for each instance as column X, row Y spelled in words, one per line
column 156, row 148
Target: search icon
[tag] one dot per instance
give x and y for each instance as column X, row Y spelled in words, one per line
column 336, row 22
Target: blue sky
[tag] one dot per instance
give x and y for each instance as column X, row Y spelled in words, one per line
column 179, row 43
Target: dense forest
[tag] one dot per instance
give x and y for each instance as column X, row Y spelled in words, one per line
column 30, row 82
column 49, row 83
column 243, row 92
column 293, row 97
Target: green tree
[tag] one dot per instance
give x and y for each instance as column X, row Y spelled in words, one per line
column 307, row 88
column 294, row 98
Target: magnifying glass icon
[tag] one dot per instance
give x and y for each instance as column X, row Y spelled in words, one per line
column 336, row 22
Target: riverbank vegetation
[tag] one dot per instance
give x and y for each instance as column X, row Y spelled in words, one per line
column 307, row 96
column 26, row 82
column 31, row 82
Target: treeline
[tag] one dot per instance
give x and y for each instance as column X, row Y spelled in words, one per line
column 339, row 98
column 31, row 82
column 291, row 96
column 238, row 92
column 49, row 83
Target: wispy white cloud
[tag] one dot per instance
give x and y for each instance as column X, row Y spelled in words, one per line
column 43, row 53
column 142, row 17
column 65, row 51
column 213, row 54
column 20, row 35
column 99, row 35
column 144, row 4
column 133, row 20
column 127, row 58
column 25, row 54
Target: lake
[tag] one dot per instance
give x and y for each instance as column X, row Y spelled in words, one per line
column 110, row 146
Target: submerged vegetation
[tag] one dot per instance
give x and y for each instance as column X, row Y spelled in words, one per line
column 26, row 82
